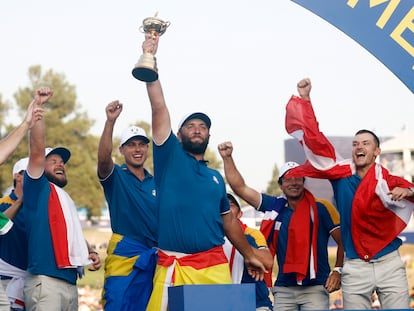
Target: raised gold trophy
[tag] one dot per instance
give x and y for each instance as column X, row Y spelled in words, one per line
column 146, row 67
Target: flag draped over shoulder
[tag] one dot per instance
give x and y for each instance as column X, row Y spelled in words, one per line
column 376, row 219
column 69, row 244
column 301, row 250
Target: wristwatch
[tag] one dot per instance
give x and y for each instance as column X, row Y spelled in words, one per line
column 338, row 269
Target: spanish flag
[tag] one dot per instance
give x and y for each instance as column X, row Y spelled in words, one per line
column 175, row 268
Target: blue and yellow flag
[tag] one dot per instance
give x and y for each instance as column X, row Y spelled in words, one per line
column 384, row 27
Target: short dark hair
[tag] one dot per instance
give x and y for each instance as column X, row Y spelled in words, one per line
column 364, row 131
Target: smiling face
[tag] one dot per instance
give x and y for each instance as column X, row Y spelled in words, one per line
column 364, row 151
column 55, row 170
column 135, row 152
column 292, row 187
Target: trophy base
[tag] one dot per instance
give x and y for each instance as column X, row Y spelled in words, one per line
column 145, row 74
column 146, row 68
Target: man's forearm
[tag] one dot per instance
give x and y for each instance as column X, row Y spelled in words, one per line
column 9, row 144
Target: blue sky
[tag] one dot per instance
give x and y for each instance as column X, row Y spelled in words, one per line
column 238, row 61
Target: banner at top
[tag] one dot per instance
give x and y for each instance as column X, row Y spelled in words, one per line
column 384, row 27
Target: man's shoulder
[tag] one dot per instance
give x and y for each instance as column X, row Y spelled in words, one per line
column 255, row 237
column 273, row 203
column 170, row 139
column 325, row 203
column 329, row 208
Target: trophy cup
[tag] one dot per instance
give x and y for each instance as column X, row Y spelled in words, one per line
column 146, row 67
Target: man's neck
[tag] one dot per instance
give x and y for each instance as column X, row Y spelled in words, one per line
column 294, row 202
column 363, row 170
column 199, row 157
column 139, row 172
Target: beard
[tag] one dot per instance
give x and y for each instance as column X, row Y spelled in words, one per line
column 194, row 148
column 57, row 181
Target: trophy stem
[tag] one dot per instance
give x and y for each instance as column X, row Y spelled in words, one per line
column 146, row 68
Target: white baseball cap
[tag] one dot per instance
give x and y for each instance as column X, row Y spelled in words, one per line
column 20, row 165
column 133, row 131
column 62, row 151
column 235, row 200
column 286, row 167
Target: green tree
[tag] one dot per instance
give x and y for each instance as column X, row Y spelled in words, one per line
column 68, row 126
column 213, row 160
column 6, row 169
column 4, row 108
column 273, row 185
